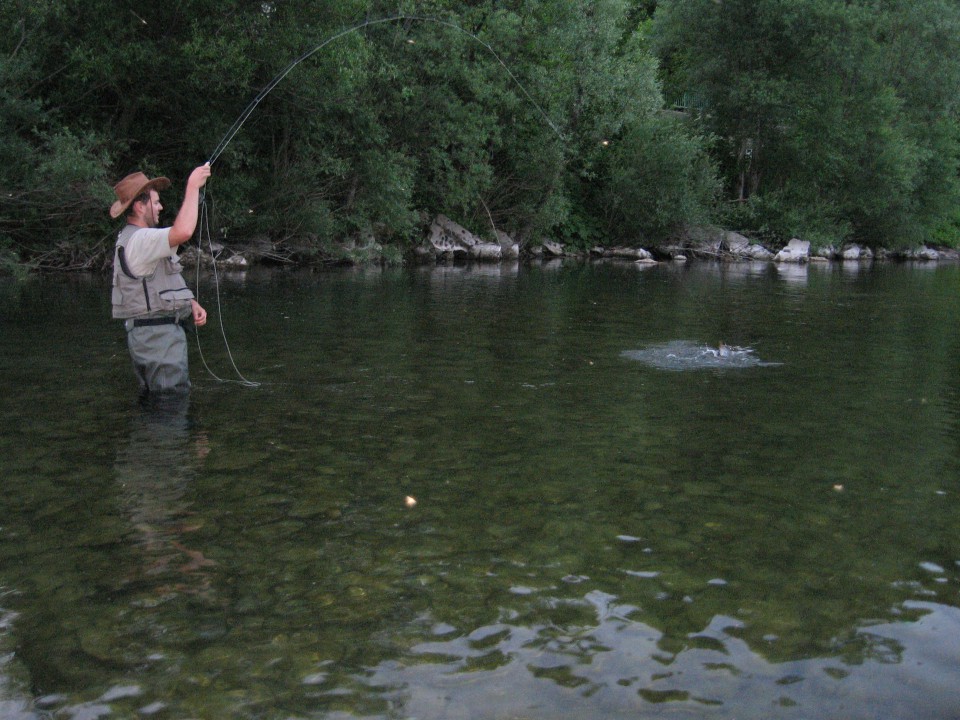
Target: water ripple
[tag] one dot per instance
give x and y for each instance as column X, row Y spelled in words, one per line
column 680, row 355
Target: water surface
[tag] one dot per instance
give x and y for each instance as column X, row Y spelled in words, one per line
column 593, row 535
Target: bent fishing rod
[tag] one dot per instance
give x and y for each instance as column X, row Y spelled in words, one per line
column 249, row 110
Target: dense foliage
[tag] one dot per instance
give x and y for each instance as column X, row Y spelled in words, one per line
column 542, row 118
column 836, row 120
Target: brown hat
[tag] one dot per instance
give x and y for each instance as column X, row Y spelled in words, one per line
column 131, row 187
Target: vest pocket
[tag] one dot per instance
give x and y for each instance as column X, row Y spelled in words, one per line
column 175, row 298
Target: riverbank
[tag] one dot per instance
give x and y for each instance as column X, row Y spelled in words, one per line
column 447, row 241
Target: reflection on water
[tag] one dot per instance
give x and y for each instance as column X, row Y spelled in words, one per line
column 620, row 665
column 154, row 469
column 592, row 537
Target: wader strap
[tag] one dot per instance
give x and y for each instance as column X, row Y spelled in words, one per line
column 121, row 258
column 123, row 263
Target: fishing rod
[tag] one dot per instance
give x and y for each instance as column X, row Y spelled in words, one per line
column 239, row 122
column 268, row 88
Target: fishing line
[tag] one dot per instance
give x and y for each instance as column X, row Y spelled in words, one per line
column 248, row 111
column 204, row 225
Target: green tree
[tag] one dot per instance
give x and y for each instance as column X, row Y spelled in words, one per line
column 51, row 174
column 659, row 179
column 527, row 116
column 819, row 135
column 94, row 89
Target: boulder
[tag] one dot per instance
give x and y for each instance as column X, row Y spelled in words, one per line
column 758, row 252
column 735, row 243
column 628, row 253
column 824, row 252
column 552, row 248
column 672, row 251
column 703, row 237
column 855, row 252
column 739, row 247
column 710, row 247
column 486, row 251
column 446, row 236
column 796, row 250
column 510, row 248
column 235, row 262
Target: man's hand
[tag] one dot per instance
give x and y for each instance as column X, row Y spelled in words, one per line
column 186, row 221
column 198, row 178
column 199, row 314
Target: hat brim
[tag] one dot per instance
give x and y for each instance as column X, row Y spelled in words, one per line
column 118, row 207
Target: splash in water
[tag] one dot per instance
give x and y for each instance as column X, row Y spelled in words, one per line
column 685, row 355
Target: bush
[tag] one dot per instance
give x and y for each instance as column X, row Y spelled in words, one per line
column 659, row 178
column 948, row 233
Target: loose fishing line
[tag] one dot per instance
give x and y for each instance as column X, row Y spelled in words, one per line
column 205, row 227
column 248, row 111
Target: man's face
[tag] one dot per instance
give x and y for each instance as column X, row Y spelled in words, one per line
column 150, row 211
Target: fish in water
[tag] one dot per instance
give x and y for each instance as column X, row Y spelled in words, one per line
column 684, row 355
column 725, row 351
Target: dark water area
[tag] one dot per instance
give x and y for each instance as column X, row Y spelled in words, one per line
column 467, row 493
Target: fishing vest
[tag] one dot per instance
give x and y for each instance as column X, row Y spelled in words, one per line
column 162, row 292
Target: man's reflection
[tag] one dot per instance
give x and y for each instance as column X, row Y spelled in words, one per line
column 155, row 470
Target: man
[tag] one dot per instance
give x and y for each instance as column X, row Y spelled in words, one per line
column 149, row 292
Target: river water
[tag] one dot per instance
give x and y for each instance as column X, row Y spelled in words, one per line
column 490, row 493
